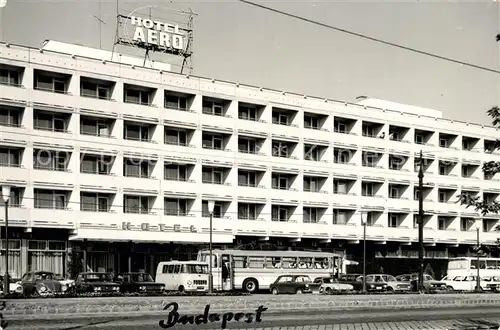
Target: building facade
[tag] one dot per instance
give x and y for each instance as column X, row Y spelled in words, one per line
column 120, row 161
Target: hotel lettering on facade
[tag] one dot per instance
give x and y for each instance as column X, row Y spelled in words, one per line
column 120, row 161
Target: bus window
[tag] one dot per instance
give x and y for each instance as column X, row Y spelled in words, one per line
column 195, row 269
column 240, row 262
column 273, row 262
column 491, row 264
column 305, row 263
column 206, row 258
column 321, row 263
column 165, row 269
column 473, row 264
column 289, row 262
column 459, row 264
column 256, row 262
column 177, row 269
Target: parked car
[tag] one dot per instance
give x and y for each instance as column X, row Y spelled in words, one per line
column 291, row 284
column 392, row 283
column 42, row 283
column 96, row 282
column 330, row 284
column 139, row 282
column 356, row 280
column 466, row 283
column 14, row 286
column 65, row 281
column 430, row 284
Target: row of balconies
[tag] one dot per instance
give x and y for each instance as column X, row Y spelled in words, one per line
column 187, row 206
column 105, row 90
column 59, row 160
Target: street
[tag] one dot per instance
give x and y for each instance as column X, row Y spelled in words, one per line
column 460, row 318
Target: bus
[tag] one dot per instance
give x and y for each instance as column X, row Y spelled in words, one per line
column 256, row 270
column 466, row 266
column 183, row 276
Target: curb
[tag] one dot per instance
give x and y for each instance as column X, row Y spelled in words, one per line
column 189, row 306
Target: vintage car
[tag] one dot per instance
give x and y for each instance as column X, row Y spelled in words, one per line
column 329, row 285
column 65, row 281
column 392, row 283
column 97, row 283
column 430, row 284
column 356, row 280
column 41, row 283
column 139, row 282
column 297, row 284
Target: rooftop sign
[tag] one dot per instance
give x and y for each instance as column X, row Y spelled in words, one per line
column 157, row 34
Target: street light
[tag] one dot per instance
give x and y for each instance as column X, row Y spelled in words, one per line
column 478, row 279
column 363, row 222
column 6, row 197
column 211, row 205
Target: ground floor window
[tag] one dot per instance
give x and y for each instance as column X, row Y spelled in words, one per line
column 14, row 258
column 47, row 256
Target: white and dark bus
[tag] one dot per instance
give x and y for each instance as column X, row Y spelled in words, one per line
column 253, row 270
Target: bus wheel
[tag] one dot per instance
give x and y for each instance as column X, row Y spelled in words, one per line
column 181, row 288
column 250, row 285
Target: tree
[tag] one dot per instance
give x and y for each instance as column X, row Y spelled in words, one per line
column 489, row 168
column 75, row 264
column 429, row 271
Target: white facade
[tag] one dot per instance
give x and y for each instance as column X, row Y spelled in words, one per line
column 128, row 116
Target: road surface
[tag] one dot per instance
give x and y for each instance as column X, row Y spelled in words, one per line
column 461, row 318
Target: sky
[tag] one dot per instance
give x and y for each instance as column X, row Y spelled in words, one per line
column 237, row 42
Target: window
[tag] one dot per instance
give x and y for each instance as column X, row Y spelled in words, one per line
column 311, row 152
column 465, row 171
column 247, row 211
column 177, row 207
column 419, row 139
column 94, row 164
column 137, row 96
column 395, row 164
column 367, row 189
column 279, row 213
column 466, row 144
column 136, row 204
column 442, row 224
column 393, row 192
column 212, row 175
column 175, row 172
column 368, row 131
column 213, row 141
column 247, row 146
column 311, row 122
column 417, row 194
column 280, row 149
column 97, row 127
column 340, row 127
column 217, row 213
column 213, row 108
column 393, row 220
column 95, row 90
column 311, row 184
column 94, row 202
column 442, row 197
column 395, row 136
column 136, row 168
column 247, row 179
column 10, row 117
column 280, row 182
column 443, row 143
column 247, row 113
column 175, row 137
column 341, row 156
column 464, row 224
column 50, row 160
column 280, row 118
column 49, row 121
column 339, row 217
column 442, row 170
column 50, row 84
column 50, row 199
column 310, row 215
column 136, row 132
column 9, row 157
column 9, row 77
column 339, row 186
column 176, row 102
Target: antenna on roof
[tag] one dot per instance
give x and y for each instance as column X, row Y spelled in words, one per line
column 101, row 22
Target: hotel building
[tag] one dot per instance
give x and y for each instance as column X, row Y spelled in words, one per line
column 119, row 161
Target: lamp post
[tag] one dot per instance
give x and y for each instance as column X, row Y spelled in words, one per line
column 363, row 222
column 6, row 197
column 478, row 279
column 211, row 205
